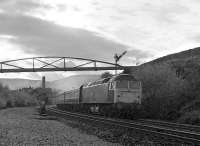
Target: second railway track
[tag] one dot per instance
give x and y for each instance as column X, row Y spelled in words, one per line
column 190, row 137
column 184, row 127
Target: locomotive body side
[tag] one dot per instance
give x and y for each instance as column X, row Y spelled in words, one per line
column 121, row 88
column 97, row 93
column 118, row 96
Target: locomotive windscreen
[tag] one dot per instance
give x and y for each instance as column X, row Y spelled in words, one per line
column 124, row 77
column 126, row 81
column 134, row 84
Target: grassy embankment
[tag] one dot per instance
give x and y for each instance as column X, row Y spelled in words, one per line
column 171, row 87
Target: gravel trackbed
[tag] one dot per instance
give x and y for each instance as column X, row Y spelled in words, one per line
column 25, row 127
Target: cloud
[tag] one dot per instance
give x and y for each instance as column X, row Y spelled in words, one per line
column 76, row 8
column 62, row 7
column 138, row 54
column 21, row 6
column 45, row 38
column 156, row 27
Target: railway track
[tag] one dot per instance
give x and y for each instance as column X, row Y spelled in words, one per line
column 185, row 136
column 184, row 127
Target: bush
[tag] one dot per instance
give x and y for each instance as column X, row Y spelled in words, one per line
column 23, row 99
column 106, row 75
column 161, row 91
column 45, row 95
column 4, row 96
column 9, row 103
column 191, row 106
column 2, row 103
column 192, row 117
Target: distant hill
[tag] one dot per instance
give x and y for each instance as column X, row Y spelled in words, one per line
column 20, row 83
column 64, row 84
column 72, row 82
column 174, row 60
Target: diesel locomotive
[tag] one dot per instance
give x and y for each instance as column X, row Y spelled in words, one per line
column 116, row 92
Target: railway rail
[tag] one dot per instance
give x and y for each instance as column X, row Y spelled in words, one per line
column 185, row 127
column 190, row 137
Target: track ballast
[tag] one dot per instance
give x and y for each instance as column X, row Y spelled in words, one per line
column 190, row 137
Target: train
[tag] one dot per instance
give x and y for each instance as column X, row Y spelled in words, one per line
column 116, row 92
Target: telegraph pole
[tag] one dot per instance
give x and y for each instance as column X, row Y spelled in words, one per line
column 43, row 82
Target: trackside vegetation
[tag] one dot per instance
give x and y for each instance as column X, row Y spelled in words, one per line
column 23, row 97
column 171, row 91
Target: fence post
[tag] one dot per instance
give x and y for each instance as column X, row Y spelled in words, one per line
column 64, row 97
column 43, row 82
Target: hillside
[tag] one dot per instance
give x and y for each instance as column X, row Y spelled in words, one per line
column 191, row 54
column 61, row 85
column 177, row 61
column 171, row 87
column 19, row 83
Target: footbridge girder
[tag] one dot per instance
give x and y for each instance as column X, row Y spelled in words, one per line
column 46, row 64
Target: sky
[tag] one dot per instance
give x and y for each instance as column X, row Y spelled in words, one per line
column 96, row 29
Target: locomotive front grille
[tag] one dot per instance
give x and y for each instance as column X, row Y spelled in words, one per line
column 127, row 96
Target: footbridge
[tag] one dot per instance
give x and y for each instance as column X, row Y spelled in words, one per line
column 46, row 64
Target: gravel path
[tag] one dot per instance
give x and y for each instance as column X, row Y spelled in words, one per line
column 24, row 127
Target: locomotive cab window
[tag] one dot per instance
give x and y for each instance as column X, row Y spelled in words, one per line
column 123, row 84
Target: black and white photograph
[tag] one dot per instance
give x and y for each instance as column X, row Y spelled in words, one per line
column 99, row 72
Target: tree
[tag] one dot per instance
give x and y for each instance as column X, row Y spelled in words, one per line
column 106, row 75
column 162, row 91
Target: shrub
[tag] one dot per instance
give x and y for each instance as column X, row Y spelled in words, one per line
column 23, row 99
column 161, row 91
column 44, row 94
column 192, row 117
column 2, row 103
column 191, row 106
column 106, row 75
column 9, row 103
column 4, row 96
